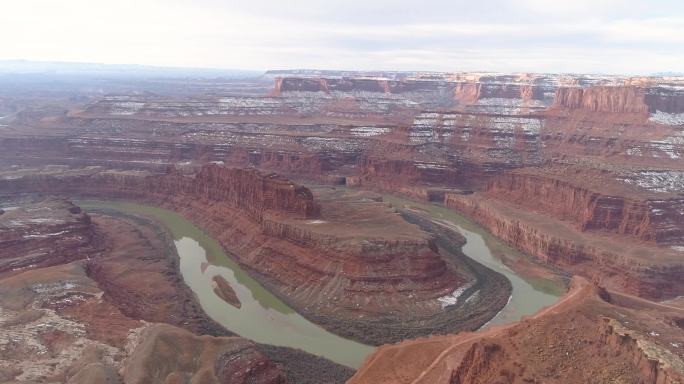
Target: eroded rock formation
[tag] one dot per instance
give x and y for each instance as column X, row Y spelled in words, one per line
column 604, row 157
column 347, row 276
column 595, row 201
column 77, row 319
column 44, row 234
column 618, row 262
column 588, row 336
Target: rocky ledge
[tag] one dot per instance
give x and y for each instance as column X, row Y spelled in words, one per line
column 95, row 316
column 590, row 335
column 361, row 271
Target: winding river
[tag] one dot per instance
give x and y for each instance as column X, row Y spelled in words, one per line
column 266, row 319
column 528, row 295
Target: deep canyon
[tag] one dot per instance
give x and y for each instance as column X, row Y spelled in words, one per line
column 334, row 193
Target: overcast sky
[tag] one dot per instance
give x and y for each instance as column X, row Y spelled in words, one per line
column 611, row 36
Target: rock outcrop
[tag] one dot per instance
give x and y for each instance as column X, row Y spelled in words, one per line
column 42, row 234
column 348, row 277
column 169, row 354
column 622, row 99
column 613, row 99
column 620, row 263
column 594, row 201
column 590, row 335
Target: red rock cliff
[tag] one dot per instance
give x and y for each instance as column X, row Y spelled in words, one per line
column 618, row 99
column 623, row 264
column 345, row 279
column 595, row 203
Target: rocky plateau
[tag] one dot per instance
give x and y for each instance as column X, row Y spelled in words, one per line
column 582, row 173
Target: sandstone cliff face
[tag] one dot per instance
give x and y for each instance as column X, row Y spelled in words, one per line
column 654, row 219
column 621, row 99
column 620, row 263
column 266, row 222
column 248, row 190
column 603, row 99
column 471, row 92
column 645, row 356
column 396, row 173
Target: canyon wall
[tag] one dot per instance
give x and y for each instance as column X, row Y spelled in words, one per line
column 247, row 190
column 42, row 235
column 362, row 284
column 603, row 99
column 621, row 99
column 591, row 204
column 619, row 263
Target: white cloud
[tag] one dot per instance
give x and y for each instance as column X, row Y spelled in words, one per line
column 504, row 35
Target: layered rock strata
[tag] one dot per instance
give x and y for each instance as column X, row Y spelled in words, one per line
column 413, row 133
column 595, row 201
column 78, row 319
column 43, row 234
column 350, row 279
column 618, row 262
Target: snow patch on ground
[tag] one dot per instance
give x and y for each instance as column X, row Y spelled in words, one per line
column 658, row 181
column 44, row 235
column 667, row 118
column 452, row 299
column 368, row 131
column 126, row 107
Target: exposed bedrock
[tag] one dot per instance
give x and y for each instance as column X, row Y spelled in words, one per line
column 621, row 99
column 603, row 99
column 630, row 358
column 78, row 319
column 395, row 174
column 44, row 234
column 460, row 88
column 583, row 338
column 618, row 262
column 359, row 283
column 248, row 190
column 169, row 354
column 594, row 202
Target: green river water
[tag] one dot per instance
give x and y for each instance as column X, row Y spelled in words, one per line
column 266, row 319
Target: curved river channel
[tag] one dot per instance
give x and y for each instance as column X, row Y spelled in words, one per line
column 266, row 319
